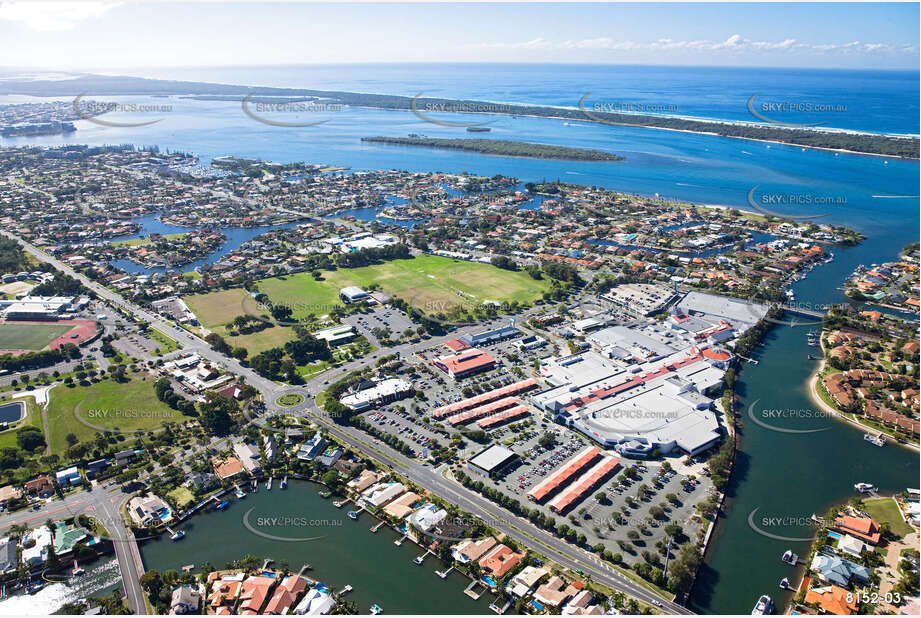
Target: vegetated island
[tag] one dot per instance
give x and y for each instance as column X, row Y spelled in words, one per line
column 506, row 148
column 810, row 137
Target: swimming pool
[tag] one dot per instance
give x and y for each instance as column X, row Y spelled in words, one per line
column 834, row 535
column 12, row 412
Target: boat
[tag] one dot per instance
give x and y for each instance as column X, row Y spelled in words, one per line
column 284, row 483
column 78, row 571
column 789, row 557
column 764, row 606
column 784, row 583
column 875, row 440
column 179, row 534
column 223, row 505
column 811, row 357
column 325, row 493
column 240, row 494
column 353, row 514
column 376, row 609
column 35, row 587
column 864, row 488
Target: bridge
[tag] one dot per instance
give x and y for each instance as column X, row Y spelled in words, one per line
column 799, row 310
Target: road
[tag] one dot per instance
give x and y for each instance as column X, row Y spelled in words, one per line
column 519, row 529
column 103, row 504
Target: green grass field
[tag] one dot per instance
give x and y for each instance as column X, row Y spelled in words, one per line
column 33, row 418
column 125, row 407
column 217, row 309
column 886, row 510
column 430, row 283
column 30, row 336
column 136, row 242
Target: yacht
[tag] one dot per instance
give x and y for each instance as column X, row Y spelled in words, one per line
column 240, row 494
column 376, row 609
column 179, row 534
column 864, row 488
column 875, row 440
column 784, row 583
column 353, row 515
column 764, row 606
column 789, row 557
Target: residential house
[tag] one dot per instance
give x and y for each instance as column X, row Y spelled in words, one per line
column 499, row 561
column 523, row 583
column 471, row 551
column 248, row 455
column 286, row 595
column 185, row 600
column 864, row 528
column 40, row 486
column 150, row 510
column 833, row 600
column 835, row 570
column 317, row 602
column 255, row 592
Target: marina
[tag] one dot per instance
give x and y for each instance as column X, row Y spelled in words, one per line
column 377, row 571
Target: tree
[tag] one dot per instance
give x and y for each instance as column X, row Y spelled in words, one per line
column 215, row 413
column 30, row 438
column 71, row 439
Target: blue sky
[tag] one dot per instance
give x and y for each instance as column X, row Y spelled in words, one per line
column 90, row 36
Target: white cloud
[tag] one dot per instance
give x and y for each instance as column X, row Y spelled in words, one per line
column 733, row 44
column 51, row 16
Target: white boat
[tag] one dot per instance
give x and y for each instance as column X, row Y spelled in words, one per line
column 284, row 483
column 376, row 609
column 875, row 440
column 764, row 606
column 864, row 488
column 789, row 557
column 179, row 534
column 240, row 494
column 784, row 583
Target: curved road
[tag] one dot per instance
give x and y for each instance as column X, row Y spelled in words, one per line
column 517, row 528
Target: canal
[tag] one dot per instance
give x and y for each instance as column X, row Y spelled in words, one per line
column 789, row 476
column 297, row 526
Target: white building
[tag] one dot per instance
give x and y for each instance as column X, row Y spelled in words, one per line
column 352, row 294
column 381, row 494
column 316, row 602
column 68, row 476
column 427, row 517
column 370, row 394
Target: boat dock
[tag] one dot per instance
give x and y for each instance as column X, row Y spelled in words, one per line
column 341, row 503
column 444, row 574
column 304, row 568
column 187, row 568
column 266, row 564
column 268, row 484
column 500, row 610
column 471, row 591
column 420, row 559
column 347, row 589
column 378, row 525
column 400, row 540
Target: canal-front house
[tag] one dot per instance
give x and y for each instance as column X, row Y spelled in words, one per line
column 863, row 528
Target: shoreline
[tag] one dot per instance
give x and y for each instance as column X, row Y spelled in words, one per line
column 813, row 386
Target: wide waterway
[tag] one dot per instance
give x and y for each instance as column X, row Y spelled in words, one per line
column 342, row 551
column 783, row 475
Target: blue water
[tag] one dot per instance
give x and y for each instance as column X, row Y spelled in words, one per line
column 874, row 101
column 151, row 224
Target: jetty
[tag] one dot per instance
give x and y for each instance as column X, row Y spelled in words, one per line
column 420, row 559
column 346, row 590
column 378, row 525
column 500, row 610
column 341, row 503
column 304, row 568
column 471, row 591
column 268, row 484
column 400, row 540
column 444, row 574
column 266, row 564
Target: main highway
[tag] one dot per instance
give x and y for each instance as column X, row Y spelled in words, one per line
column 439, row 481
